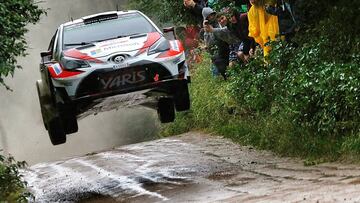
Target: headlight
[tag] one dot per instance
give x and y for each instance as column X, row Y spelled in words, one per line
column 70, row 63
column 160, row 46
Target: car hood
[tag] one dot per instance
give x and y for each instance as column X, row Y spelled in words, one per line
column 125, row 44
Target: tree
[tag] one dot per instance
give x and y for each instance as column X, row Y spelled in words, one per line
column 14, row 16
column 164, row 11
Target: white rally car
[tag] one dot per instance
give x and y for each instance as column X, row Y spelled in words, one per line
column 108, row 60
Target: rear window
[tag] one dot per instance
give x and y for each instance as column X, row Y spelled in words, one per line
column 124, row 25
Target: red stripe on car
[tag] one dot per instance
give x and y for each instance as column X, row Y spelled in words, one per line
column 151, row 39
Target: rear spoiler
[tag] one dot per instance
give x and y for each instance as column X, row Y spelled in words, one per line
column 100, row 18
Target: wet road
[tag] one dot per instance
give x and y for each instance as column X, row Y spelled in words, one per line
column 193, row 167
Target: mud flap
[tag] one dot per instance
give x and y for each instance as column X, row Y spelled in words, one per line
column 182, row 97
column 166, row 111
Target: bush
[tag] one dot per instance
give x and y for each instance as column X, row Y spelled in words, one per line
column 316, row 93
column 209, row 103
column 164, row 11
column 215, row 110
column 300, row 101
column 12, row 187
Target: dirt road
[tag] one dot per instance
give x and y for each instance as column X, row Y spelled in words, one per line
column 193, row 167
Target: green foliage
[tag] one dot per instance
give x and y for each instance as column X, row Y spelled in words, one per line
column 316, row 93
column 14, row 16
column 164, row 11
column 209, row 103
column 215, row 110
column 12, row 188
column 300, row 101
column 316, row 84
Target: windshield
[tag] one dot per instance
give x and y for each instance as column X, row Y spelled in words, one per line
column 124, row 25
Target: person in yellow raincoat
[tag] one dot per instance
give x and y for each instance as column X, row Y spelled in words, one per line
column 262, row 26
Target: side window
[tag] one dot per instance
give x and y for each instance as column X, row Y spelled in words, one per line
column 48, row 55
column 56, row 49
column 51, row 45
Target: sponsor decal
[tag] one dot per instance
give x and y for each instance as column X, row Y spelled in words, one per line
column 114, row 41
column 177, row 60
column 118, row 66
column 118, row 46
column 57, row 72
column 96, row 51
column 176, row 49
column 174, row 46
column 123, row 79
column 57, row 69
column 74, row 53
column 156, row 78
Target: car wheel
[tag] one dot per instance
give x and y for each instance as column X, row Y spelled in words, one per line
column 41, row 104
column 56, row 131
column 182, row 99
column 70, row 124
column 166, row 110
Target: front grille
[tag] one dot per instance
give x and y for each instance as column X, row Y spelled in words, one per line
column 107, row 80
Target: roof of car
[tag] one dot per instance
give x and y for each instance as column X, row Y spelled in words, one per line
column 80, row 20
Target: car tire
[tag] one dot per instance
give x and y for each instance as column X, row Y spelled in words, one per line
column 70, row 124
column 56, row 131
column 41, row 103
column 182, row 99
column 166, row 110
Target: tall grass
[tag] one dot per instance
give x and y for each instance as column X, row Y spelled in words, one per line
column 214, row 110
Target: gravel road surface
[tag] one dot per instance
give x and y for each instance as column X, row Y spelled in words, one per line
column 192, row 167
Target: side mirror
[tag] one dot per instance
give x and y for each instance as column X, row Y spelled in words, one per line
column 45, row 53
column 169, row 29
column 46, row 56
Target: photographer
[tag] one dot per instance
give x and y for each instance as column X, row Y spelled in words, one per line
column 234, row 30
column 218, row 48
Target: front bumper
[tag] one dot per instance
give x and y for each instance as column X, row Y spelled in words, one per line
column 90, row 104
column 168, row 87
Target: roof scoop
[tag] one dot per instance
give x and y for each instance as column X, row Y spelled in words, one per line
column 100, row 18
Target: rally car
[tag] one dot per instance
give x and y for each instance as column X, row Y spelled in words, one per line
column 109, row 60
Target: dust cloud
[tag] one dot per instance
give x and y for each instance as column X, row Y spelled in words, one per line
column 21, row 130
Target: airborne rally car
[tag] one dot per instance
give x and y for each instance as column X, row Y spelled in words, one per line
column 108, row 60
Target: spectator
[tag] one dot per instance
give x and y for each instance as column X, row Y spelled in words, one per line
column 189, row 37
column 240, row 26
column 196, row 7
column 288, row 19
column 262, row 26
column 218, row 49
column 234, row 31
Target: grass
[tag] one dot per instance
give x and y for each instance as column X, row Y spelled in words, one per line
column 214, row 111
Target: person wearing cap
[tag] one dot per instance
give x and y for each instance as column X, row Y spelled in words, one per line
column 234, row 31
column 217, row 48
